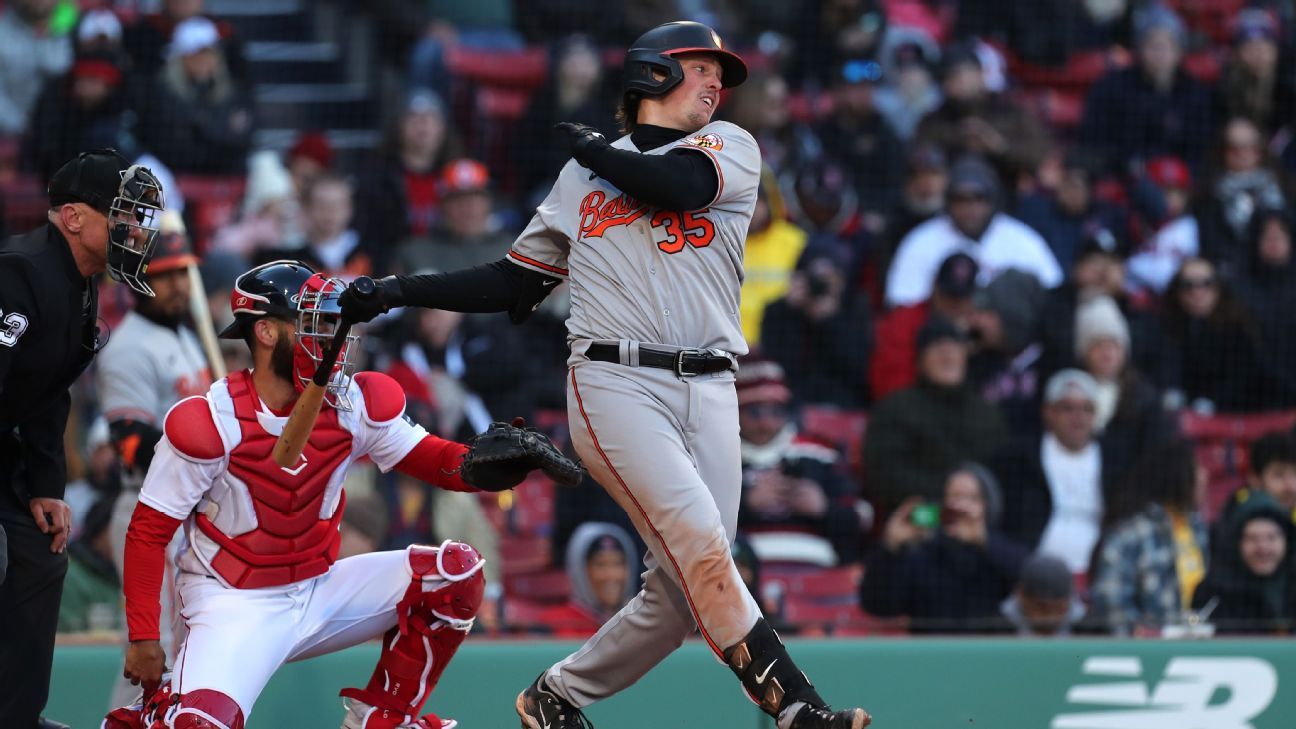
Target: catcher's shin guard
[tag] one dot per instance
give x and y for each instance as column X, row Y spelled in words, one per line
column 767, row 672
column 434, row 617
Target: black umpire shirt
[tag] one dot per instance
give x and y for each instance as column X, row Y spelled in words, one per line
column 48, row 313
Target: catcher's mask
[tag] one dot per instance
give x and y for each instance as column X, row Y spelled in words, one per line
column 293, row 291
column 129, row 195
column 318, row 319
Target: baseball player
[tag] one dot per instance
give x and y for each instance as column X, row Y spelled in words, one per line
column 648, row 231
column 152, row 360
column 257, row 582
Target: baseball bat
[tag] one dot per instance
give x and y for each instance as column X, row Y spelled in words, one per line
column 202, row 318
column 292, row 441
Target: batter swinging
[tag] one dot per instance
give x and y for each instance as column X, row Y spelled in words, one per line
column 649, row 232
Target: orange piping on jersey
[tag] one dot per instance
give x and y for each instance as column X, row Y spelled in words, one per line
column 532, row 262
column 580, row 404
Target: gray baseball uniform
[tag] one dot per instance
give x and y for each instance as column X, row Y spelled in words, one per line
column 665, row 447
column 143, row 370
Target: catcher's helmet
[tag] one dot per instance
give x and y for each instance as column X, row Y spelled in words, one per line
column 271, row 289
column 656, row 49
column 293, row 291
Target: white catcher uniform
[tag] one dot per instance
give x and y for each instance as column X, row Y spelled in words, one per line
column 666, row 447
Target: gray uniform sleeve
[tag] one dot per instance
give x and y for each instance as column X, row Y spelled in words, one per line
column 126, row 383
column 543, row 245
column 737, row 160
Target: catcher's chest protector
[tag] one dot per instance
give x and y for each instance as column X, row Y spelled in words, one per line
column 291, row 533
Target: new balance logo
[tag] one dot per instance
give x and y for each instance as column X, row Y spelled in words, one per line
column 1181, row 699
column 760, row 677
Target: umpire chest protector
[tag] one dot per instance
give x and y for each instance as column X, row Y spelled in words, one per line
column 262, row 525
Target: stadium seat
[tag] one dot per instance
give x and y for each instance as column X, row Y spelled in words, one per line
column 843, row 428
column 1222, row 444
column 25, row 203
column 1077, row 75
column 812, row 616
column 523, row 555
column 211, row 202
column 549, row 586
column 1205, row 66
column 834, row 585
column 526, row 68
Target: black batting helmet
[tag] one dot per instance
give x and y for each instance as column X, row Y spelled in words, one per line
column 271, row 289
column 656, row 51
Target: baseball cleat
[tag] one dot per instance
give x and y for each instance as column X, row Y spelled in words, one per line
column 821, row 717
column 540, row 708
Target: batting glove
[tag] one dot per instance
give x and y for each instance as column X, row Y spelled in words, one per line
column 585, row 141
column 358, row 309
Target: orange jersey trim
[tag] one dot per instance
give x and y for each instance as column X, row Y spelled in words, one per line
column 538, row 264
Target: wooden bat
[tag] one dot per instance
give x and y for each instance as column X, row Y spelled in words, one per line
column 292, row 441
column 201, row 313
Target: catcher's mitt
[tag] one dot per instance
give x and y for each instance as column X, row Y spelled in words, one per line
column 501, row 457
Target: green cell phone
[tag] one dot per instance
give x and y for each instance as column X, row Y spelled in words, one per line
column 926, row 516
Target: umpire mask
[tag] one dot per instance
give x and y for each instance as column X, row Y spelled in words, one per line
column 133, row 227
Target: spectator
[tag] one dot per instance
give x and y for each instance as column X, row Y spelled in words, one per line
column 465, row 234
column 1098, row 270
column 894, row 362
column 31, row 53
column 1065, row 215
column 1153, row 108
column 329, row 244
column 147, row 39
column 270, row 216
column 1214, row 359
column 821, row 332
column 1044, row 602
column 774, row 244
column 1056, row 485
column 598, row 561
column 1244, row 186
column 918, row 434
column 1250, row 587
column 91, row 590
column 84, row 109
column 974, row 120
column 834, row 30
column 951, row 576
column 797, row 504
column 823, row 200
column 472, row 370
column 858, row 136
column 1128, row 414
column 589, row 502
column 1172, row 234
column 486, row 25
column 308, row 158
column 1005, row 348
column 203, row 119
column 760, row 106
column 909, row 91
column 922, row 198
column 364, row 527
column 1151, row 561
column 1256, row 86
column 99, row 32
column 398, row 193
column 1271, row 472
column 573, row 92
column 973, row 224
column 1267, row 286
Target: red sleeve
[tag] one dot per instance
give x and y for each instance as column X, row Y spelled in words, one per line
column 436, row 461
column 146, row 540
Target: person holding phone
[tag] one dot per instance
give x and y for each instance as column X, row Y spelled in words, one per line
column 945, row 565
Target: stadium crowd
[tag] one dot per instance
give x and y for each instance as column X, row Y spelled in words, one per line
column 1020, row 288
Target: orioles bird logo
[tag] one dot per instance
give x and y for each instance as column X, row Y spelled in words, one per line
column 707, row 141
column 597, row 213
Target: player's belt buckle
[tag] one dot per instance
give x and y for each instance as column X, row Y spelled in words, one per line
column 679, row 361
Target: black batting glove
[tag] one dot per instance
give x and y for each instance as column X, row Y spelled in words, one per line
column 358, row 309
column 585, row 141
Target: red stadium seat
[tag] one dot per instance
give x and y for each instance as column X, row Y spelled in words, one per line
column 523, row 555
column 835, row 584
column 550, row 586
column 843, row 428
column 1222, row 444
column 808, row 615
column 211, row 202
column 1205, row 66
column 25, row 203
column 1077, row 75
column 526, row 68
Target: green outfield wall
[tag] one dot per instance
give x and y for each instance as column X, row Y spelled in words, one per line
column 906, row 683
